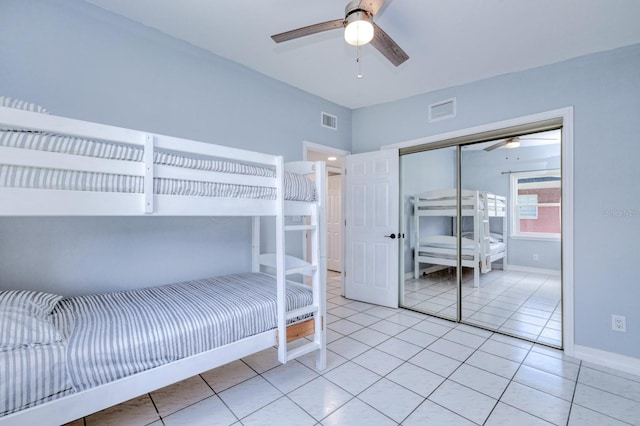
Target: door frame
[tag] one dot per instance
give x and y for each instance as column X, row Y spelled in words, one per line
column 329, row 150
column 567, row 153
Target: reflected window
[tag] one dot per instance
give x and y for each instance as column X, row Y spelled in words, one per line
column 536, row 204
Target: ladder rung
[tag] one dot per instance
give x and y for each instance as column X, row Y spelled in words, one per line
column 302, row 350
column 301, row 269
column 311, row 309
column 300, row 228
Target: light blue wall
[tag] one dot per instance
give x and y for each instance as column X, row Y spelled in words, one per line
column 604, row 90
column 83, row 62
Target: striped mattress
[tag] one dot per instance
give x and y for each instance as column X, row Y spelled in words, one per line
column 32, row 375
column 296, row 187
column 113, row 335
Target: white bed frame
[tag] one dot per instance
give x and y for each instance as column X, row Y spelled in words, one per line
column 442, row 248
column 46, row 202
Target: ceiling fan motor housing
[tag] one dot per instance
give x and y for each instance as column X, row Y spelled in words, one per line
column 354, row 6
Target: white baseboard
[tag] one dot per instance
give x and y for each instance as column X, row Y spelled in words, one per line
column 516, row 268
column 607, row 359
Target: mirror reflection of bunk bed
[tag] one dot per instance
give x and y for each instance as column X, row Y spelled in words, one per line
column 479, row 246
column 65, row 358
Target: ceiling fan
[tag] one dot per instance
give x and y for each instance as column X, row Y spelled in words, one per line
column 515, row 141
column 359, row 30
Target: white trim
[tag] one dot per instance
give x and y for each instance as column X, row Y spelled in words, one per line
column 543, row 237
column 513, row 122
column 334, row 170
column 566, row 114
column 568, row 327
column 613, row 360
column 517, row 268
column 312, row 146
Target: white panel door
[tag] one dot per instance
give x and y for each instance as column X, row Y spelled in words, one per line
column 334, row 223
column 372, row 227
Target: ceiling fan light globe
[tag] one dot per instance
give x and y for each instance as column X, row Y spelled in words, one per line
column 359, row 29
column 512, row 144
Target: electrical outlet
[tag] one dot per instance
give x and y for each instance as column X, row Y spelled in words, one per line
column 619, row 323
column 536, row 257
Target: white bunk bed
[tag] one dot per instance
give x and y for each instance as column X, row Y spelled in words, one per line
column 478, row 248
column 55, row 166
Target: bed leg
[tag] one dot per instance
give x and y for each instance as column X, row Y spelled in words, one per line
column 321, row 354
column 476, row 276
column 321, row 359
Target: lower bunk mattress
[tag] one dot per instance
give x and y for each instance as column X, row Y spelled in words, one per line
column 426, row 250
column 105, row 337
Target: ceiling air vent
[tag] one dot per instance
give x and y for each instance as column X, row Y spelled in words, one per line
column 442, row 110
column 329, row 121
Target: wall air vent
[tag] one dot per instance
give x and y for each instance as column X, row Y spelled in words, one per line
column 442, row 110
column 329, row 121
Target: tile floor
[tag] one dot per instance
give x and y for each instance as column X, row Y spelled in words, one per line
column 516, row 303
column 389, row 367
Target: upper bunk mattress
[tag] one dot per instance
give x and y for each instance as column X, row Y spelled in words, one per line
column 114, row 335
column 447, row 200
column 296, row 187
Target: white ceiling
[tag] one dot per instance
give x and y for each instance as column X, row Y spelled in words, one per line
column 449, row 42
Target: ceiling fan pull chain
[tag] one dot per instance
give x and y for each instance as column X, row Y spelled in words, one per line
column 359, row 74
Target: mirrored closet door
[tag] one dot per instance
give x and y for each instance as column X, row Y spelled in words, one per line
column 516, row 233
column 429, row 205
column 486, row 252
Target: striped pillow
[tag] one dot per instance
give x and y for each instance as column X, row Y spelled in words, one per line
column 25, row 318
column 8, row 102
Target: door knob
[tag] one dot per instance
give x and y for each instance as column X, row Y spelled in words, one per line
column 392, row 236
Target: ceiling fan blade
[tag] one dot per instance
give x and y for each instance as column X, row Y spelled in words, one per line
column 387, row 46
column 496, row 145
column 372, row 6
column 525, row 138
column 305, row 31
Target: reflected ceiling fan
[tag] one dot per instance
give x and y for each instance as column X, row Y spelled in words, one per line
column 515, row 141
column 359, row 29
